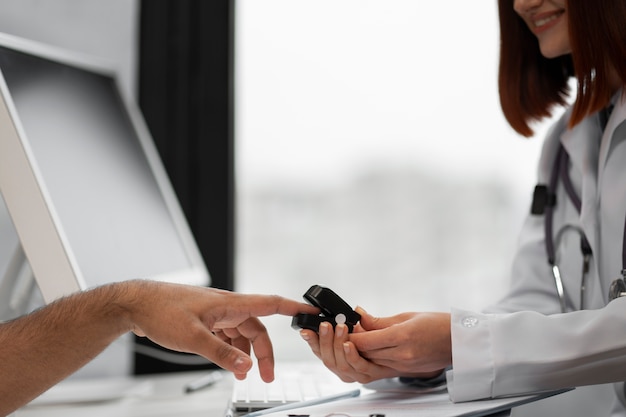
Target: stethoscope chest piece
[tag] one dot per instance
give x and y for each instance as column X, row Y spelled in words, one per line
column 617, row 289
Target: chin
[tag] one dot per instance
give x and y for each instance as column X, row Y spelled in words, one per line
column 555, row 49
column 552, row 53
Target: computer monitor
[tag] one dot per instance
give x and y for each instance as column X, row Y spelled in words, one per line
column 81, row 177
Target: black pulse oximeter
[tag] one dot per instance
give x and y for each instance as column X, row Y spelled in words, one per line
column 334, row 310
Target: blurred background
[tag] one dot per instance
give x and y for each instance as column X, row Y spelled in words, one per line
column 372, row 155
column 369, row 153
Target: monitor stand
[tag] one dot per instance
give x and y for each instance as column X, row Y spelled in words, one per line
column 19, row 293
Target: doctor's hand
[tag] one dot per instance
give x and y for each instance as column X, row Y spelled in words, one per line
column 407, row 344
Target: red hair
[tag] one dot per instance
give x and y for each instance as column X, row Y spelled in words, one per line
column 531, row 85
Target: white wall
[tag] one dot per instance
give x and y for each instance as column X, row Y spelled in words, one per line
column 372, row 155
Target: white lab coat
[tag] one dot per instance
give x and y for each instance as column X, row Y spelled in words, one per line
column 523, row 343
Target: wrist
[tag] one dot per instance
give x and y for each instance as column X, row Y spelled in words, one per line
column 118, row 303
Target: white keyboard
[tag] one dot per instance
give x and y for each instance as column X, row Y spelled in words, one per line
column 293, row 383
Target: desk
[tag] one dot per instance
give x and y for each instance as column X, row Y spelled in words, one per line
column 164, row 398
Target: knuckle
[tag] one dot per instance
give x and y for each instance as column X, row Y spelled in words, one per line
column 223, row 352
column 344, row 368
column 197, row 333
column 360, row 368
column 330, row 364
column 406, row 357
column 364, row 379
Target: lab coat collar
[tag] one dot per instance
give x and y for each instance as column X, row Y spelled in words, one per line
column 579, row 141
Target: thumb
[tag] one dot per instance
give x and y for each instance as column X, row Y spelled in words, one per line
column 369, row 322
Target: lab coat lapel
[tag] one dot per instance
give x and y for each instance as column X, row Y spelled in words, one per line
column 582, row 146
column 611, row 180
column 614, row 131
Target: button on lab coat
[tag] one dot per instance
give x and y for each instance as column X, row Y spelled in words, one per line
column 524, row 343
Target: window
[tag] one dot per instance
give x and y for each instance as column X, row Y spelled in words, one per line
column 372, row 155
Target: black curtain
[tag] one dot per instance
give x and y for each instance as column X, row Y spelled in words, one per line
column 186, row 96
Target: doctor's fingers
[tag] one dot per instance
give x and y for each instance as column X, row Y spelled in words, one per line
column 343, row 369
column 408, row 360
column 327, row 345
column 422, row 343
column 312, row 340
column 331, row 348
column 342, row 358
column 395, row 357
column 351, row 366
column 370, row 322
column 357, row 368
column 377, row 339
column 399, row 353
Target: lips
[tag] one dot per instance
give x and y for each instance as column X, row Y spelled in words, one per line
column 544, row 20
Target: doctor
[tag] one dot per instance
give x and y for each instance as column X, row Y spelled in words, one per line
column 558, row 326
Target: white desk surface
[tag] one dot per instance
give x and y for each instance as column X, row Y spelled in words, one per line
column 156, row 395
column 164, row 396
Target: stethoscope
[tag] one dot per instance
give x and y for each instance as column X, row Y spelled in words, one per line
column 548, row 201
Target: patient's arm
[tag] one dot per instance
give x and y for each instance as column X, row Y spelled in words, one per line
column 40, row 349
column 44, row 347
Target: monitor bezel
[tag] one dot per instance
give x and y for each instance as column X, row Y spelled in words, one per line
column 28, row 200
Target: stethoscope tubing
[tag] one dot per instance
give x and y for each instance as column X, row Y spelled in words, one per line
column 560, row 169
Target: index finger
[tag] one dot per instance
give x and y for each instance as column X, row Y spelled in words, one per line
column 265, row 305
column 372, row 340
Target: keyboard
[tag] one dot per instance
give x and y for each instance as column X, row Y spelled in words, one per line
column 293, row 383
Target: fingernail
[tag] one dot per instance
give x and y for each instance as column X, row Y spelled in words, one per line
column 242, row 364
column 324, row 329
column 346, row 347
column 339, row 330
column 305, row 336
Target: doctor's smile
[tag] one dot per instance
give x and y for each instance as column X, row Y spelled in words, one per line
column 546, row 21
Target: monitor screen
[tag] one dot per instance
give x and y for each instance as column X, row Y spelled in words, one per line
column 81, row 178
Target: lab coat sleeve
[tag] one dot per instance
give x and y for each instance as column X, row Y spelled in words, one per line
column 496, row 355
